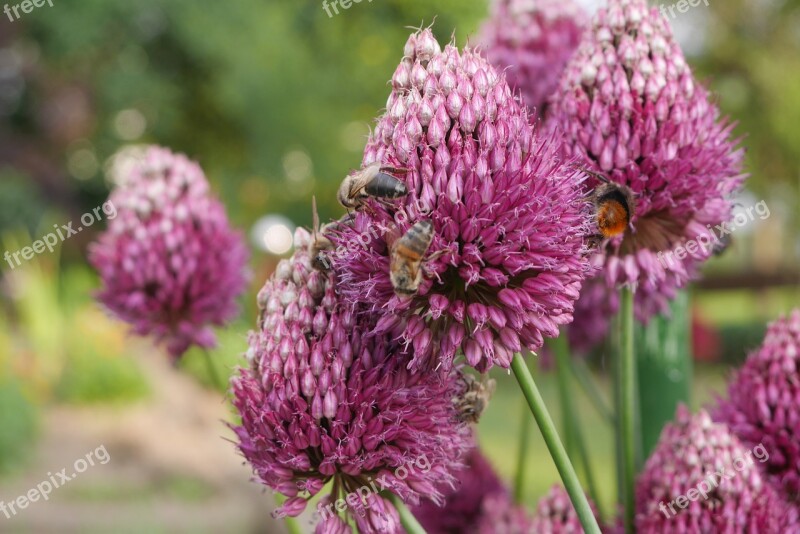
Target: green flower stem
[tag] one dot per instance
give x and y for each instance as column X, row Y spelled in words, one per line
column 212, row 371
column 407, row 519
column 583, row 454
column 581, row 372
column 626, row 411
column 522, row 457
column 664, row 368
column 561, row 353
column 554, row 445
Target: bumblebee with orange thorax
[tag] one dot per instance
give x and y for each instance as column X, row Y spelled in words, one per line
column 614, row 206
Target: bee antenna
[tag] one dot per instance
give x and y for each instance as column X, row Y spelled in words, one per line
column 417, row 28
column 314, row 215
column 593, row 174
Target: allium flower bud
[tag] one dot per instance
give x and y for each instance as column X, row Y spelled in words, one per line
column 481, row 505
column 323, row 400
column 556, row 515
column 507, row 258
column 701, row 478
column 631, row 110
column 532, row 40
column 763, row 405
column 170, row 264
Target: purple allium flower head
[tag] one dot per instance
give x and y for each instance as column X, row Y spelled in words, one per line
column 593, row 313
column 508, row 255
column 323, row 400
column 764, row 402
column 481, row 505
column 170, row 264
column 631, row 110
column 556, row 515
column 694, row 454
column 532, row 40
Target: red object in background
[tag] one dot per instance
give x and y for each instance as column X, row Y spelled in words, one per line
column 706, row 344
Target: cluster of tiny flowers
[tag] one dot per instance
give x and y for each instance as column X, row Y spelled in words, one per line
column 556, row 515
column 593, row 314
column 508, row 256
column 481, row 505
column 170, row 264
column 631, row 110
column 532, row 41
column 726, row 490
column 322, row 400
column 763, row 404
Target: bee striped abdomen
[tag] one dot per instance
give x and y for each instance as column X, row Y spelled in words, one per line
column 385, row 186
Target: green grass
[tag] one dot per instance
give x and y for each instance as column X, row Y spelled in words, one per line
column 743, row 306
column 498, row 432
column 19, row 425
column 226, row 357
column 178, row 487
column 91, row 377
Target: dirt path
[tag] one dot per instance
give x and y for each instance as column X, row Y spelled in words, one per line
column 171, row 468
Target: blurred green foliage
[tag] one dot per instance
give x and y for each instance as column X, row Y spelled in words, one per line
column 91, row 376
column 61, row 345
column 226, row 356
column 273, row 98
column 20, row 203
column 19, row 425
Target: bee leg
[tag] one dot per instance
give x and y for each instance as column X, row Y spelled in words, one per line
column 438, row 254
column 595, row 241
column 395, row 170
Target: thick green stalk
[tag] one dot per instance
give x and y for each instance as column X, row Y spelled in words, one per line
column 407, row 519
column 561, row 353
column 581, row 372
column 522, row 456
column 626, row 411
column 583, row 454
column 554, row 445
column 664, row 360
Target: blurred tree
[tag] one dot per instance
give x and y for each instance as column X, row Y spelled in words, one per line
column 275, row 98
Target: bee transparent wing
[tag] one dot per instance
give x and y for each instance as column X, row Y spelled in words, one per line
column 314, row 216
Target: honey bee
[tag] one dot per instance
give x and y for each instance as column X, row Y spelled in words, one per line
column 372, row 181
column 320, row 244
column 475, row 398
column 405, row 266
column 614, row 204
